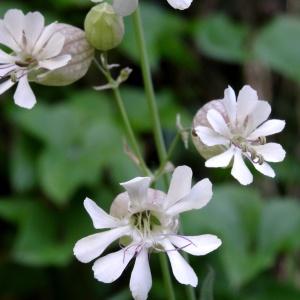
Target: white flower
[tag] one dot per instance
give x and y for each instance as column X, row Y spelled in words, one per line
column 241, row 130
column 34, row 46
column 127, row 7
column 146, row 220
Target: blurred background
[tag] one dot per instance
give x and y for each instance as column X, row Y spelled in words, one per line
column 71, row 146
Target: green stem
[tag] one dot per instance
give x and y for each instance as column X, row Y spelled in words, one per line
column 166, row 274
column 157, row 131
column 167, row 159
column 128, row 128
column 130, row 132
column 159, row 141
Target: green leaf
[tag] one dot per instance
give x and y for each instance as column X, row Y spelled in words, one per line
column 62, row 171
column 22, row 165
column 37, row 241
column 207, row 288
column 233, row 214
column 45, row 236
column 217, row 36
column 279, row 227
column 277, row 45
column 80, row 136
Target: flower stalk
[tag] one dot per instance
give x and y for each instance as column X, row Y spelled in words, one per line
column 150, row 95
column 114, row 85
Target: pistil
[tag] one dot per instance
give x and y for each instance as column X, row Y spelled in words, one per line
column 247, row 148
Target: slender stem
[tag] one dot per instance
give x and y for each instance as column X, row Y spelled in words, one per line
column 166, row 275
column 125, row 118
column 158, row 136
column 130, row 132
column 171, row 149
column 159, row 141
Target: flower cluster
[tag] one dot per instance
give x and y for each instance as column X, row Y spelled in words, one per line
column 146, row 220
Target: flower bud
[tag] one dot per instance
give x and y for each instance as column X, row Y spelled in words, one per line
column 82, row 54
column 104, row 28
column 200, row 119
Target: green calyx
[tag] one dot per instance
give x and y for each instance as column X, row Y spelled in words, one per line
column 104, row 28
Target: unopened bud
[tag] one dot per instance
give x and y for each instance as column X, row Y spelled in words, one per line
column 82, row 54
column 124, row 75
column 104, row 28
column 200, row 119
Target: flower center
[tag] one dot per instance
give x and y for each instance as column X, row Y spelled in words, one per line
column 26, row 61
column 247, row 148
column 26, row 64
column 145, row 222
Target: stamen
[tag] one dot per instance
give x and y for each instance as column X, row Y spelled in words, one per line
column 262, row 140
column 137, row 250
column 22, row 64
column 246, row 146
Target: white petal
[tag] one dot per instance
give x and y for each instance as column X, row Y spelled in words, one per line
column 6, row 58
column 7, row 39
column 55, row 63
column 229, row 102
column 33, row 27
column 125, row 7
column 246, row 102
column 268, row 128
column 218, row 123
column 272, row 152
column 209, row 137
column 182, row 271
column 180, row 4
column 4, row 86
column 14, row 23
column 93, row 246
column 110, row 267
column 53, row 47
column 240, row 171
column 24, row 95
column 196, row 245
column 199, row 196
column 47, row 33
column 5, row 70
column 137, row 189
column 141, row 279
column 265, row 169
column 220, row 161
column 180, row 185
column 99, row 217
column 260, row 114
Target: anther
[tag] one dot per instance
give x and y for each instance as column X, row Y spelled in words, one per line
column 194, row 132
column 262, row 140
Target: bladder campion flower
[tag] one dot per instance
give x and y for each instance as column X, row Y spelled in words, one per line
column 82, row 54
column 34, row 47
column 146, row 220
column 230, row 130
